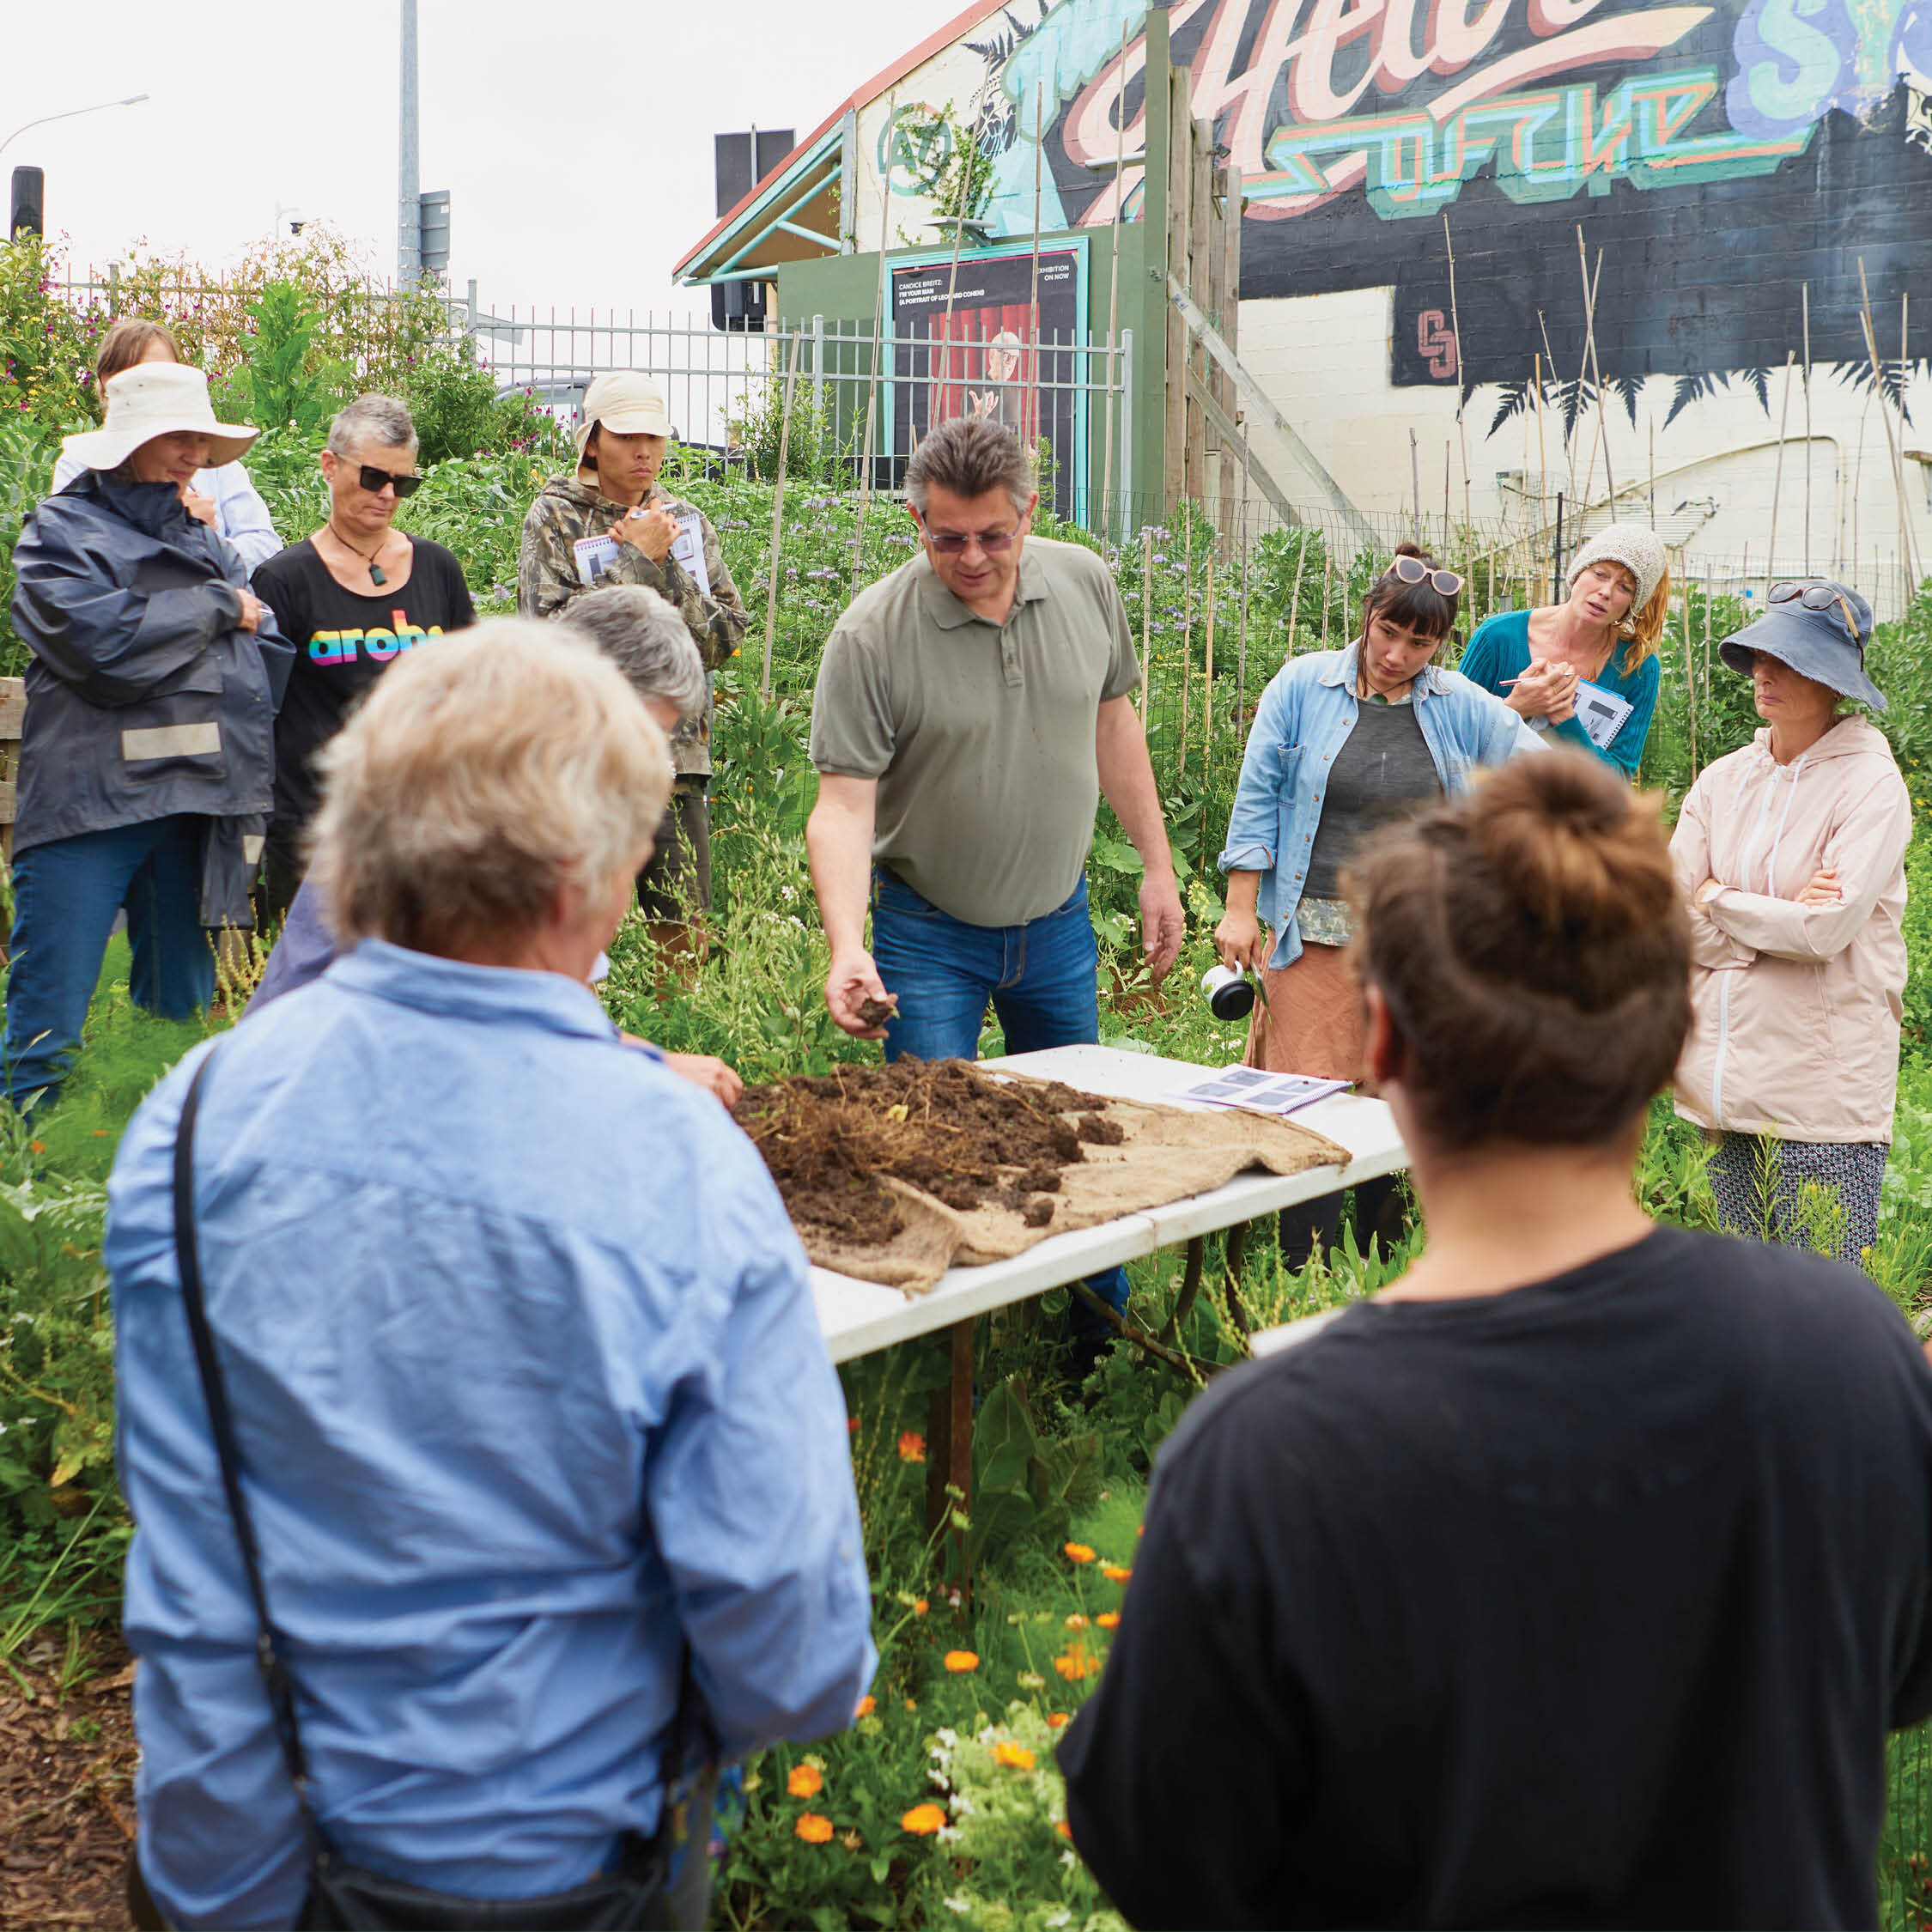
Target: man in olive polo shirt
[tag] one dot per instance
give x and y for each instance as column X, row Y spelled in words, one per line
column 971, row 708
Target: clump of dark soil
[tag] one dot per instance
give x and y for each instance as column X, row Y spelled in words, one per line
column 877, row 1013
column 942, row 1125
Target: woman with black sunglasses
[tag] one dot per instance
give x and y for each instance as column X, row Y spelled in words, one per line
column 1791, row 851
column 1343, row 744
column 351, row 598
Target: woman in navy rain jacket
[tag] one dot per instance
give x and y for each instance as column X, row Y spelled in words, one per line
column 148, row 753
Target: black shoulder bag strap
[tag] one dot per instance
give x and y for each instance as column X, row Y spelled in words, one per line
column 268, row 1640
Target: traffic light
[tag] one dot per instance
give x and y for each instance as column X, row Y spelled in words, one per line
column 29, row 203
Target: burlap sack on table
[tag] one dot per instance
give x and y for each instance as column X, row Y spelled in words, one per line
column 1165, row 1154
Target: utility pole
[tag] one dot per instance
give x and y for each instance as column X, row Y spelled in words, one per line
column 409, row 207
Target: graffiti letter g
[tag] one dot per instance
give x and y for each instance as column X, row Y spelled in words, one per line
column 1434, row 342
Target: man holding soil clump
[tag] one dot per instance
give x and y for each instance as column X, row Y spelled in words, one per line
column 971, row 708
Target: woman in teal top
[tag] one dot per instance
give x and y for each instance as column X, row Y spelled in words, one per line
column 1585, row 672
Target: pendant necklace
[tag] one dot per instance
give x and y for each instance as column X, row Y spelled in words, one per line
column 376, row 575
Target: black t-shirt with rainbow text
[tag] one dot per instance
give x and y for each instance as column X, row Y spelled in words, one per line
column 343, row 643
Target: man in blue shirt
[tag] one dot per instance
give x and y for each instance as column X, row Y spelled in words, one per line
column 525, row 1376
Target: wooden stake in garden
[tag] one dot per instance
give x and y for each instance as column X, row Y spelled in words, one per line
column 1707, row 635
column 1807, row 312
column 1033, row 311
column 1327, row 591
column 1542, row 476
column 953, row 273
column 778, row 513
column 1146, row 616
column 1207, row 705
column 1113, row 303
column 1590, row 285
column 1295, row 597
column 1891, row 441
column 1461, row 384
column 1778, row 479
column 878, row 341
column 1690, row 680
column 1187, row 629
column 1653, row 473
column 1415, row 485
column 1240, row 644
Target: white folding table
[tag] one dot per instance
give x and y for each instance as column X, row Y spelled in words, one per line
column 858, row 1317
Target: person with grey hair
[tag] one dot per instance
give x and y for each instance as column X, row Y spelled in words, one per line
column 548, row 1503
column 971, row 709
column 351, row 598
column 640, row 632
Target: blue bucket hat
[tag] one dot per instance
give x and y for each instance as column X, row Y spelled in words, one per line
column 1819, row 628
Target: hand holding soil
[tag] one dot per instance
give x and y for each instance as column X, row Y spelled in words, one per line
column 856, row 997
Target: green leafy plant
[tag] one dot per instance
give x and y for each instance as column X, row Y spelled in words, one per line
column 288, row 381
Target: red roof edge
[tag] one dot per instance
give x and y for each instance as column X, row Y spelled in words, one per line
column 887, row 77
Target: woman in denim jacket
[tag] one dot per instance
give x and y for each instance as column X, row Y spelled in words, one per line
column 1343, row 743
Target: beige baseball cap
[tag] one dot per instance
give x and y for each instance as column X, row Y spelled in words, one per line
column 152, row 400
column 626, row 404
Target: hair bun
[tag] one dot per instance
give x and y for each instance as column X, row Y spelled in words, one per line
column 1580, row 851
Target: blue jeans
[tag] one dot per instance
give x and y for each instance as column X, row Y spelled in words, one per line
column 1042, row 979
column 65, row 895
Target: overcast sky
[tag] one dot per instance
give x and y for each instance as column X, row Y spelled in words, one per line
column 575, row 142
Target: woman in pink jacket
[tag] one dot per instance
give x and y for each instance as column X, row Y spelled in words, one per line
column 1791, row 855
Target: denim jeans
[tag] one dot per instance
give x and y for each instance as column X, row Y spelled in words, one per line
column 66, row 893
column 1042, row 979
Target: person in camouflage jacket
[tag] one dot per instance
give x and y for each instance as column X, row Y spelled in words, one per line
column 622, row 443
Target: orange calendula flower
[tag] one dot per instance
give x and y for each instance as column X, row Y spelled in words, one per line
column 1114, row 1573
column 911, row 1447
column 38, row 1146
column 813, row 1829
column 1079, row 1552
column 1065, row 1829
column 1076, row 1621
column 923, row 1820
column 1108, row 1620
column 851, row 1425
column 1055, row 1719
column 920, row 1607
column 867, row 1705
column 1014, row 1757
column 912, row 1704
column 959, row 1661
column 804, row 1782
column 1075, row 1664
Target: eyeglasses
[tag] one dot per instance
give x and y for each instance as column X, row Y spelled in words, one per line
column 1414, row 571
column 372, row 479
column 1818, row 597
column 951, row 542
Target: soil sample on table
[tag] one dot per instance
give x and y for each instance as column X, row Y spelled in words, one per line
column 943, row 1125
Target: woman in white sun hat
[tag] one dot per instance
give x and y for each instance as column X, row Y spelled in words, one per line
column 146, row 755
column 1585, row 670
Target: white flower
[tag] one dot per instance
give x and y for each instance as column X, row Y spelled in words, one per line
column 956, row 1902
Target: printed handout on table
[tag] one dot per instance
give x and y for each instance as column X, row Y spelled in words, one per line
column 1258, row 1092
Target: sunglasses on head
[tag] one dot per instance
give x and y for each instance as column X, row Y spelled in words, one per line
column 1414, row 571
column 951, row 542
column 1818, row 597
column 372, row 479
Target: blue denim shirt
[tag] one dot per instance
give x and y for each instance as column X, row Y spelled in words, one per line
column 530, row 1392
column 1303, row 720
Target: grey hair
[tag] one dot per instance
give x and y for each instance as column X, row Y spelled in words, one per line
column 483, row 772
column 641, row 633
column 383, row 420
column 970, row 456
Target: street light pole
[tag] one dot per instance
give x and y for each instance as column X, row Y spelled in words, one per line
column 133, row 100
column 409, row 208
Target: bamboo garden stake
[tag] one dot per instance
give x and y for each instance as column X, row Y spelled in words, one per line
column 778, row 513
column 1461, row 389
column 1808, row 426
column 1186, row 630
column 878, row 340
column 1146, row 615
column 1690, row 678
column 1778, row 480
column 1295, row 597
column 1113, row 304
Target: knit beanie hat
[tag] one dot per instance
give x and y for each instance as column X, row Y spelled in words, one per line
column 1639, row 550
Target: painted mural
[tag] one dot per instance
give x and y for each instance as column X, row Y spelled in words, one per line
column 1716, row 157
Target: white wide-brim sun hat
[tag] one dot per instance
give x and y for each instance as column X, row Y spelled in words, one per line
column 157, row 399
column 626, row 404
